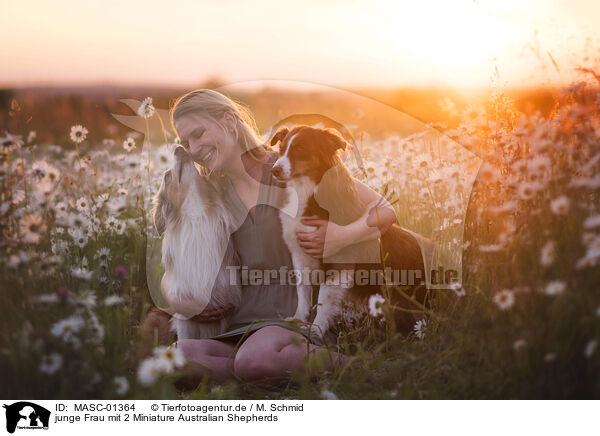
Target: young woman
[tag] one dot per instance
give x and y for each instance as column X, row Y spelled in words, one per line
column 221, row 136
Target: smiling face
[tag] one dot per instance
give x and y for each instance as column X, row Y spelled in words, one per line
column 306, row 151
column 209, row 144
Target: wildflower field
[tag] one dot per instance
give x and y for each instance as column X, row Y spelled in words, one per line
column 77, row 242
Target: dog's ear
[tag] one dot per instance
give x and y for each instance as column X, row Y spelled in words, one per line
column 279, row 135
column 335, row 139
column 162, row 208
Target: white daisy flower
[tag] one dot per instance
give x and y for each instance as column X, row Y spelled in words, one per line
column 129, row 144
column 548, row 254
column 328, row 395
column 67, row 327
column 590, row 348
column 146, row 109
column 169, row 358
column 527, row 190
column 81, row 273
column 560, row 205
column 82, row 204
column 103, row 255
column 539, row 164
column 419, row 329
column 117, row 206
column 79, row 237
column 376, row 302
column 519, row 344
column 121, row 385
column 504, row 299
column 112, row 300
column 32, row 228
column 592, row 222
column 148, row 372
column 555, row 287
column 51, row 363
column 78, row 134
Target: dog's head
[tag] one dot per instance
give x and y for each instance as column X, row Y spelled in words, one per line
column 306, row 151
column 183, row 191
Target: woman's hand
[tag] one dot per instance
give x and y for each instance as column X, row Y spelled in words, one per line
column 325, row 241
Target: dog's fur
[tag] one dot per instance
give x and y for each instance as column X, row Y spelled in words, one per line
column 310, row 164
column 195, row 225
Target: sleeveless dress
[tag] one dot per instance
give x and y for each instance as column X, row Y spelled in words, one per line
column 260, row 246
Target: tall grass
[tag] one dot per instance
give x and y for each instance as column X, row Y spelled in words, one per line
column 525, row 324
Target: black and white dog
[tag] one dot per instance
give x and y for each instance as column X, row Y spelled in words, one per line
column 318, row 180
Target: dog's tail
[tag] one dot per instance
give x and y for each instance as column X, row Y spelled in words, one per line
column 155, row 329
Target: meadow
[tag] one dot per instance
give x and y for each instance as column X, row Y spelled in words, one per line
column 79, row 257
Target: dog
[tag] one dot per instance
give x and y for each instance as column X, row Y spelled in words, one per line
column 319, row 183
column 196, row 250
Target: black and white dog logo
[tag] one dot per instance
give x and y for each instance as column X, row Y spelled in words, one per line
column 26, row 415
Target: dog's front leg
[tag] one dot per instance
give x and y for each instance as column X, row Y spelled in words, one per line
column 301, row 264
column 329, row 306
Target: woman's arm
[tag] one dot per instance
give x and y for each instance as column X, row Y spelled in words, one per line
column 329, row 237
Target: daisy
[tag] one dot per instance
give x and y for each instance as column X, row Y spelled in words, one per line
column 419, row 329
column 560, row 205
column 527, row 190
column 539, row 164
column 169, row 358
column 548, row 254
column 10, row 142
column 32, row 228
column 67, row 327
column 79, row 237
column 81, row 273
column 117, row 206
column 61, row 207
column 148, row 372
column 376, row 305
column 590, row 348
column 555, row 287
column 146, row 110
column 103, row 255
column 78, row 134
column 81, row 204
column 51, row 363
column 592, row 222
column 129, row 144
column 121, row 385
column 519, row 344
column 328, row 395
column 112, row 300
column 165, row 158
column 504, row 299
column 457, row 288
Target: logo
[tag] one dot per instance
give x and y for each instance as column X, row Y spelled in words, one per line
column 26, row 415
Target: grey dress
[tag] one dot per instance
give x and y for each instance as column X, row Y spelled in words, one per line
column 260, row 245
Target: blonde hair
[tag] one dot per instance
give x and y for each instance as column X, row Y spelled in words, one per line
column 214, row 104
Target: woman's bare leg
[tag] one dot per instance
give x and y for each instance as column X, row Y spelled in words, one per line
column 274, row 351
column 207, row 357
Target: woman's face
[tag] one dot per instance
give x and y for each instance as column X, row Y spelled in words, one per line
column 206, row 141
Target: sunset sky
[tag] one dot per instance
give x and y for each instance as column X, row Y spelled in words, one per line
column 337, row 42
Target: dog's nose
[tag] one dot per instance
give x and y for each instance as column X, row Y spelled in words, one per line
column 277, row 171
column 181, row 152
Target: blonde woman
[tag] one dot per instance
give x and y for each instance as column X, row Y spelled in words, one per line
column 221, row 137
